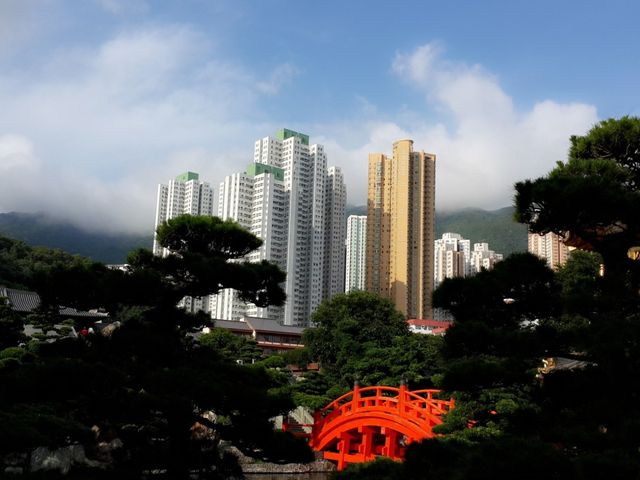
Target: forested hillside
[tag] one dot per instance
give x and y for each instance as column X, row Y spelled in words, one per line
column 19, row 262
column 39, row 230
column 496, row 227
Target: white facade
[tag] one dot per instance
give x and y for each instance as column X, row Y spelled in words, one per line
column 255, row 200
column 335, row 232
column 452, row 255
column 356, row 253
column 482, row 257
column 295, row 211
column 185, row 194
column 455, row 258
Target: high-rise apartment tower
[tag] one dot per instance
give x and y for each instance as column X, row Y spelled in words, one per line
column 185, row 194
column 356, row 252
column 550, row 247
column 296, row 205
column 400, row 228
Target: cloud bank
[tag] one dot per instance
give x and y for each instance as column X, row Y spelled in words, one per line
column 483, row 143
column 89, row 134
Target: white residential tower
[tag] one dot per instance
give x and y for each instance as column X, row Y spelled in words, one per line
column 356, row 252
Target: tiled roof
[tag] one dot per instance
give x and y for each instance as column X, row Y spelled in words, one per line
column 268, row 325
column 232, row 325
column 22, row 300
column 258, row 325
column 25, row 301
column 430, row 323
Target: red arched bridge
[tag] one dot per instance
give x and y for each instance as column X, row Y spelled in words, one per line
column 375, row 421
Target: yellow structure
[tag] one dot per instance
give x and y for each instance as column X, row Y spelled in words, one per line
column 400, row 228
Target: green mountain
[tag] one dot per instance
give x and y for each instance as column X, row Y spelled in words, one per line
column 39, row 230
column 496, row 227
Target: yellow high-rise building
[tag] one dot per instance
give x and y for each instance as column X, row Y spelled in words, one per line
column 400, row 228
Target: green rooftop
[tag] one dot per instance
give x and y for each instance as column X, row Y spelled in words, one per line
column 285, row 133
column 186, row 176
column 259, row 168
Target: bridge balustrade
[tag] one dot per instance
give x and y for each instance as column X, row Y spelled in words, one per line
column 376, row 421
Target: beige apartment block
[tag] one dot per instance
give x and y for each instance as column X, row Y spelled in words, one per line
column 400, row 228
column 550, row 247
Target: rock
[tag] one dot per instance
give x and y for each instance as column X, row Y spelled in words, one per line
column 116, row 443
column 15, row 459
column 288, row 468
column 44, row 459
column 104, row 450
column 14, row 470
column 61, row 459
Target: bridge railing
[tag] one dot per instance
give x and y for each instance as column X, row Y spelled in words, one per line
column 421, row 405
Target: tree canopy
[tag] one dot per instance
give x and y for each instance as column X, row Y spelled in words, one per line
column 593, row 198
column 543, row 364
column 361, row 337
column 149, row 383
column 205, row 257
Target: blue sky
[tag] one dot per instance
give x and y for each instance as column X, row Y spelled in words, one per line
column 103, row 99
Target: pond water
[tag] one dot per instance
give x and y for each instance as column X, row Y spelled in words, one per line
column 287, row 476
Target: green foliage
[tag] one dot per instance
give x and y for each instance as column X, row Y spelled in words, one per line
column 231, row 347
column 579, row 280
column 285, row 448
column 148, row 383
column 499, row 458
column 11, row 326
column 360, row 336
column 19, row 263
column 312, row 402
column 593, row 196
column 210, row 236
column 514, row 419
column 297, row 356
column 349, row 324
column 273, row 361
column 380, row 469
column 496, row 227
column 198, row 265
column 17, row 353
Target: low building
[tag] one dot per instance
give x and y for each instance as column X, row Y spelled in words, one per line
column 429, row 327
column 270, row 335
column 26, row 301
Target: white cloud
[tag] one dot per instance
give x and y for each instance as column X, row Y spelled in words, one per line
column 16, row 154
column 111, row 121
column 99, row 126
column 486, row 143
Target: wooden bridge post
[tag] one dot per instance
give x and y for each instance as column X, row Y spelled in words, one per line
column 390, row 448
column 402, row 395
column 344, row 446
column 356, row 396
column 365, row 449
